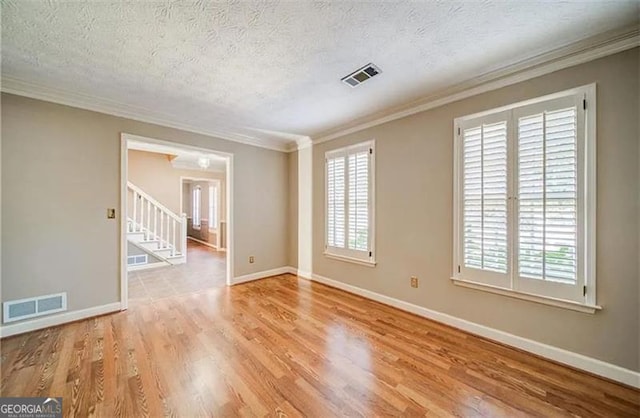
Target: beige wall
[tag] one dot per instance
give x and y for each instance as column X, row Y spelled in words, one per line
column 155, row 175
column 186, row 198
column 61, row 171
column 414, row 163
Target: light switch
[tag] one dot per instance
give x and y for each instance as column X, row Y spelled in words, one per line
column 111, row 213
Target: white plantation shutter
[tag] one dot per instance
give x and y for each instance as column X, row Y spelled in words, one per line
column 349, row 180
column 525, row 197
column 359, row 201
column 484, row 197
column 547, row 196
column 336, row 202
column 472, row 197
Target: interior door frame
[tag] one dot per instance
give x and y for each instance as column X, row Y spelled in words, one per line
column 125, row 138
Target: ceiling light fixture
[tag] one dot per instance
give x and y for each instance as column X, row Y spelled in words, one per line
column 204, row 162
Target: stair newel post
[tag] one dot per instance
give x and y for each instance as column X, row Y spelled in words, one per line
column 135, row 207
column 168, row 230
column 173, row 239
column 183, row 236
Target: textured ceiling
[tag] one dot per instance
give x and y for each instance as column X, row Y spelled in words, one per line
column 272, row 69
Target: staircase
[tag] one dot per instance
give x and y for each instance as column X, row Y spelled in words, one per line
column 155, row 230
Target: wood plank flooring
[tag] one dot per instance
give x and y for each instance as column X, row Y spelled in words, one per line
column 284, row 346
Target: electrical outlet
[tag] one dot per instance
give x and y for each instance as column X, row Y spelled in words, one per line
column 251, row 259
column 414, row 281
column 111, row 213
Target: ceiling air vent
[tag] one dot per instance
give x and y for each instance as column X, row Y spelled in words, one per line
column 361, row 75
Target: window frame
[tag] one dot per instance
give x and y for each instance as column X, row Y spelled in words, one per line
column 586, row 205
column 366, row 257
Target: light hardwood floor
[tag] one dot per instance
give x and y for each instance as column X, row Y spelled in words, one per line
column 284, row 346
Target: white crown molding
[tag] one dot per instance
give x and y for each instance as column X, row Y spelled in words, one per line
column 568, row 56
column 579, row 361
column 300, row 143
column 25, row 88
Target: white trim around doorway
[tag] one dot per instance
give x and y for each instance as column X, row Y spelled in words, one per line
column 125, row 138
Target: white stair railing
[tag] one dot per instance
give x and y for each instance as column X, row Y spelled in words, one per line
column 152, row 218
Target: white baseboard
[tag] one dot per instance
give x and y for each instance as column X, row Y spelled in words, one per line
column 208, row 244
column 262, row 274
column 54, row 320
column 304, row 274
column 148, row 266
column 579, row 361
column 299, row 273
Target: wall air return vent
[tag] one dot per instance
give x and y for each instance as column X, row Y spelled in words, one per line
column 136, row 260
column 16, row 310
column 361, row 75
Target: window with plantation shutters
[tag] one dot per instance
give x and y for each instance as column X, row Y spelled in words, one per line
column 349, row 203
column 525, row 199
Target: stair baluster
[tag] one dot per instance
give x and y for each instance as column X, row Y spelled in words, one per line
column 173, row 241
column 141, row 213
column 135, row 211
column 161, row 229
column 148, row 220
column 155, row 223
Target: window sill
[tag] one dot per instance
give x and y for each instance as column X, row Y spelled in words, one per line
column 566, row 304
column 351, row 259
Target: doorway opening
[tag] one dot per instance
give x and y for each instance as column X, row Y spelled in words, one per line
column 176, row 221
